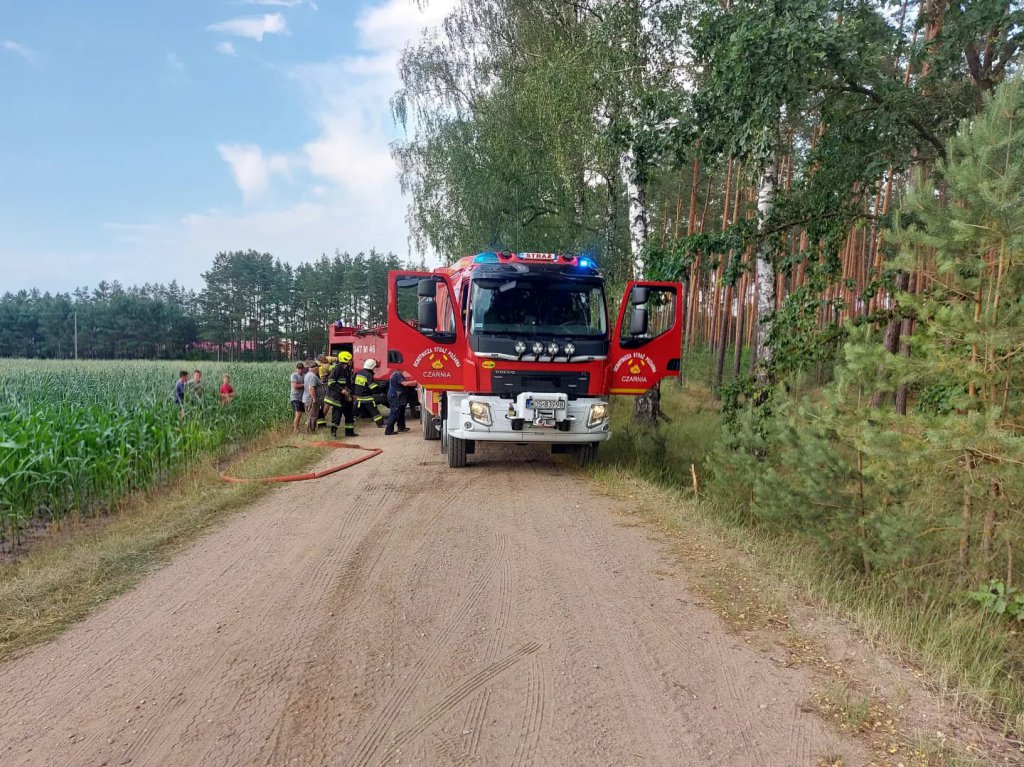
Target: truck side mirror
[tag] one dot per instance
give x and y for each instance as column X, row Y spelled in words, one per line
column 640, row 294
column 427, row 289
column 427, row 315
column 638, row 320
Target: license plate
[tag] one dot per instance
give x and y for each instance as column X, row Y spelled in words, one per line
column 548, row 404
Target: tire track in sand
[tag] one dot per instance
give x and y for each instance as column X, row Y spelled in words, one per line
column 474, row 720
column 533, row 715
column 459, row 694
column 375, row 734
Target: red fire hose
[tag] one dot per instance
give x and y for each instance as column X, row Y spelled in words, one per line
column 370, row 453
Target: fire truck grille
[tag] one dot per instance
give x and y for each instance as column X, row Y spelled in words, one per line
column 514, row 382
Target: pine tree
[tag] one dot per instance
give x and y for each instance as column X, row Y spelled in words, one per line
column 940, row 490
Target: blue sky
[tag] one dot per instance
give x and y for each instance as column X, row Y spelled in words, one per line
column 140, row 137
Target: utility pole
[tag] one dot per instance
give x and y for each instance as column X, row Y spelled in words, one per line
column 76, row 335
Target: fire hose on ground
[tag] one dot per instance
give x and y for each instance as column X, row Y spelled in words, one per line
column 370, row 452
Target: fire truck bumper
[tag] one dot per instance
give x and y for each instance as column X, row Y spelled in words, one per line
column 530, row 417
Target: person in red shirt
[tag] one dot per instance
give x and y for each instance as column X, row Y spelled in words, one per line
column 227, row 391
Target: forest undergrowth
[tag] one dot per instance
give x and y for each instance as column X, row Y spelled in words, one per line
column 914, row 606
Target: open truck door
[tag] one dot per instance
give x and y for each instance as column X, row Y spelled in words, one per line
column 647, row 337
column 425, row 337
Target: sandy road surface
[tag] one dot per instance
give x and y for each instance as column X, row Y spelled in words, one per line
column 404, row 613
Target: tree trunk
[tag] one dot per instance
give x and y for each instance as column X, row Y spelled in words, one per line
column 741, row 314
column 765, row 282
column 639, row 224
column 723, row 342
column 966, row 519
column 906, row 329
column 647, row 408
column 891, row 340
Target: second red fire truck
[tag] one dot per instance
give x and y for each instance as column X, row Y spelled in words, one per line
column 518, row 348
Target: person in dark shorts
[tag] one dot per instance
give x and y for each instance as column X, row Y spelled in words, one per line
column 298, row 385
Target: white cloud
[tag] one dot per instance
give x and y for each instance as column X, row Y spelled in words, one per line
column 175, row 63
column 277, row 3
column 227, row 48
column 254, row 27
column 295, row 233
column 176, row 73
column 387, row 28
column 18, row 49
column 349, row 196
column 251, row 169
column 350, row 97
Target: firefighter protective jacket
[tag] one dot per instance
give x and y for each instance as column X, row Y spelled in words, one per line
column 365, row 387
column 340, row 378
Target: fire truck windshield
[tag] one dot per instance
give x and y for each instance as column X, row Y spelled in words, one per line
column 538, row 305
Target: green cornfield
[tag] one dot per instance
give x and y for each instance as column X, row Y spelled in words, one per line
column 76, row 438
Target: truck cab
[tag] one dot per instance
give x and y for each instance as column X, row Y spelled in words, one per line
column 518, row 347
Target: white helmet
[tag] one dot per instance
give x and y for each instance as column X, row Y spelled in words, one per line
column 371, row 364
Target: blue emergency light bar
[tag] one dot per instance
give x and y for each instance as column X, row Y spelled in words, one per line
column 583, row 262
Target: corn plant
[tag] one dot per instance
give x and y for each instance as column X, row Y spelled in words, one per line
column 76, row 439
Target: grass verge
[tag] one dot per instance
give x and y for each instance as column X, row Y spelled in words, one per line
column 753, row 577
column 63, row 579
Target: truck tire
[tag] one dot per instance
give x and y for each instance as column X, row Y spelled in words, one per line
column 430, row 431
column 456, row 452
column 586, row 453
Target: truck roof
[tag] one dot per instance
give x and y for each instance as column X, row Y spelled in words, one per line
column 584, row 264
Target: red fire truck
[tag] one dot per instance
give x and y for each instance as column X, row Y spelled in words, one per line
column 364, row 344
column 516, row 347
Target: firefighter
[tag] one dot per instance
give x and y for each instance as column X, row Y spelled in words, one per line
column 365, row 390
column 330, row 361
column 339, row 395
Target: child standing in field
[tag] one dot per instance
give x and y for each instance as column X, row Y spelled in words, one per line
column 227, row 391
column 179, row 392
column 195, row 386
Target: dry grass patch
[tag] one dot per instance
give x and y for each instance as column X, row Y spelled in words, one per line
column 764, row 592
column 64, row 578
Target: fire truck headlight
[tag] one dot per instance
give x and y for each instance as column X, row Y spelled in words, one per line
column 480, row 412
column 538, row 348
column 598, row 413
column 570, row 349
column 520, row 347
column 552, row 348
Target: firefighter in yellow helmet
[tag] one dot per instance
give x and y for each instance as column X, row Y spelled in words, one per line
column 365, row 388
column 339, row 395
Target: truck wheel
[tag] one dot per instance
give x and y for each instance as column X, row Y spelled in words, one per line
column 586, row 453
column 456, row 452
column 430, row 431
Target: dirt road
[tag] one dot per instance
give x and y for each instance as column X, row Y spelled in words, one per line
column 404, row 613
